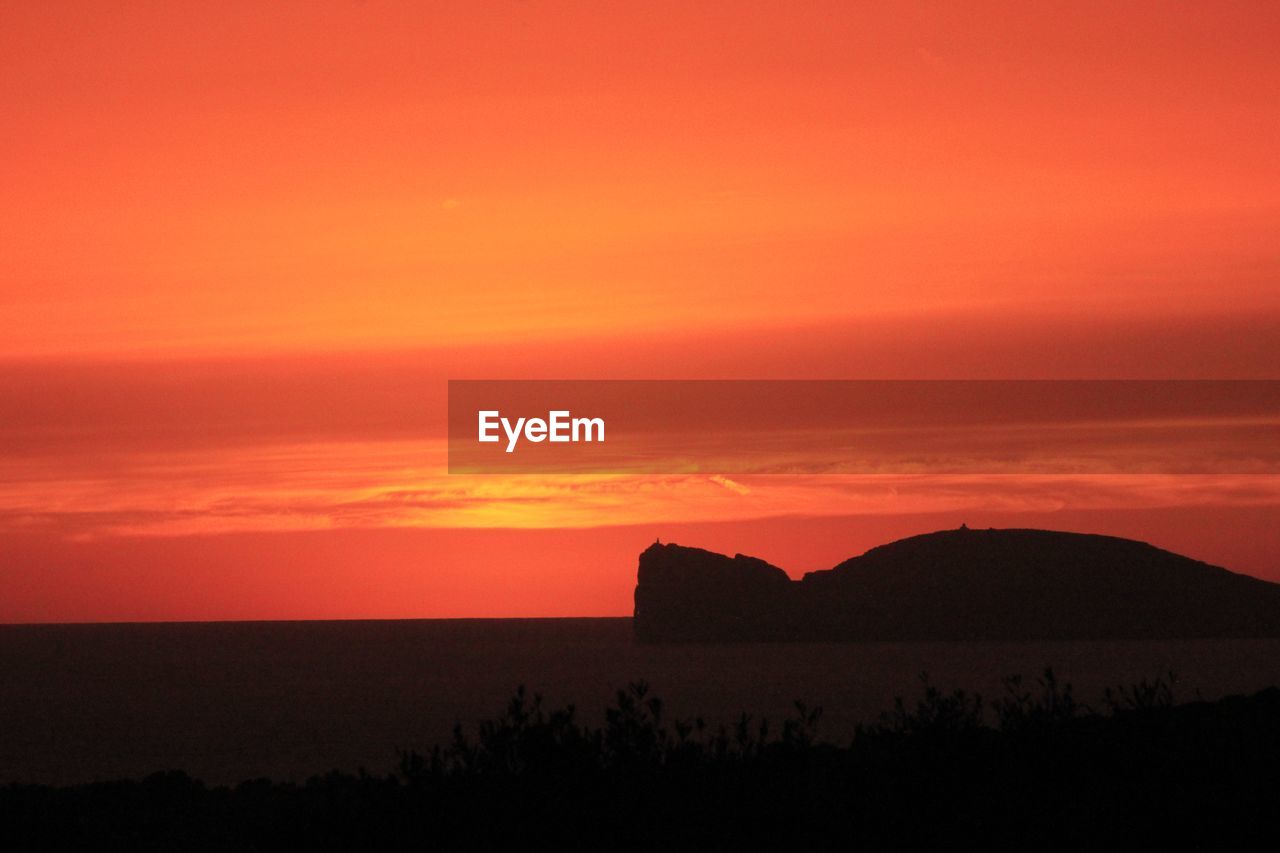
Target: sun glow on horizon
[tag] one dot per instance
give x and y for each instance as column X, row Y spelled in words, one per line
column 245, row 249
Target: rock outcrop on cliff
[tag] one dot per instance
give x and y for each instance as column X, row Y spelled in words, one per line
column 952, row 585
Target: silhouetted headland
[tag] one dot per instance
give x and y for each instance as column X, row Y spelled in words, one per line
column 955, row 585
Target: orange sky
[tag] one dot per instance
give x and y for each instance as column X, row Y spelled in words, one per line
column 244, row 246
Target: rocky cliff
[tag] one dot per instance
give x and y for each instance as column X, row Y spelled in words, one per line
column 955, row 584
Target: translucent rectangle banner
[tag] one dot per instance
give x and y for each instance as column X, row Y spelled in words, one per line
column 864, row 426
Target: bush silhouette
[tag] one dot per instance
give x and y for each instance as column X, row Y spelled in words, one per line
column 1035, row 769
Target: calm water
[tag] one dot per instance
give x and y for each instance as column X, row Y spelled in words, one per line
column 228, row 701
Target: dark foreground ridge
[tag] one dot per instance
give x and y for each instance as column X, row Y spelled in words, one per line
column 955, row 585
column 1034, row 770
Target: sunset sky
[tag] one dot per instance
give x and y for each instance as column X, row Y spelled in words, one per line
column 244, row 246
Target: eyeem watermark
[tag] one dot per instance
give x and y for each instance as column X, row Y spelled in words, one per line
column 1050, row 427
column 559, row 426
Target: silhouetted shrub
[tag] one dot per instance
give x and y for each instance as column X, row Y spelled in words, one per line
column 1146, row 695
column 1041, row 771
column 1020, row 708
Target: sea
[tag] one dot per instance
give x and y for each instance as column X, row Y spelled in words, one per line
column 229, row 701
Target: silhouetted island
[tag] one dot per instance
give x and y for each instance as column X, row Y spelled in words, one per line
column 955, row 585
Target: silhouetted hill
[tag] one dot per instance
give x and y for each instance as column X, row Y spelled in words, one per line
column 955, row 584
